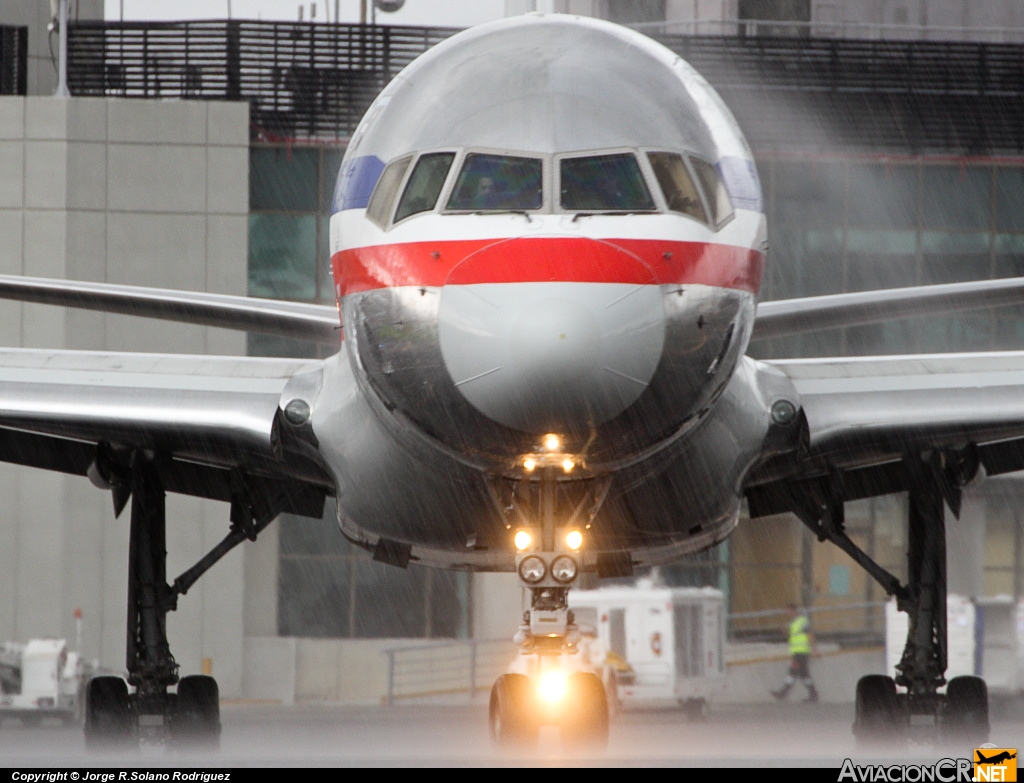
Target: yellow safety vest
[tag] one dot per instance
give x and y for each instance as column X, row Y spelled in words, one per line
column 799, row 638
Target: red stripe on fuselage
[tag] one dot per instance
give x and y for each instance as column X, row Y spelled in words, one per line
column 548, row 259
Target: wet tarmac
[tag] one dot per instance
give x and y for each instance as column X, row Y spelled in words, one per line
column 323, row 736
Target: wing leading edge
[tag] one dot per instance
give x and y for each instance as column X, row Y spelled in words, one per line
column 794, row 316
column 216, row 422
column 314, row 323
column 863, row 417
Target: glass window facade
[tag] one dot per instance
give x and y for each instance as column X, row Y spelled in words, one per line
column 838, row 225
column 329, row 588
column 290, row 191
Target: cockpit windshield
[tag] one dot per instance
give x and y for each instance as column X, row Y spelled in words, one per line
column 498, row 183
column 424, row 185
column 679, row 185
column 604, row 183
column 714, row 189
column 612, row 182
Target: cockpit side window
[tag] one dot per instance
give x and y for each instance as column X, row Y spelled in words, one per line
column 425, row 183
column 677, row 185
column 498, row 183
column 714, row 190
column 383, row 198
column 604, row 183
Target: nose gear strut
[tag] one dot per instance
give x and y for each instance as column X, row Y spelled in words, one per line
column 548, row 636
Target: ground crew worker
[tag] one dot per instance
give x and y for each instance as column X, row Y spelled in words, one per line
column 801, row 647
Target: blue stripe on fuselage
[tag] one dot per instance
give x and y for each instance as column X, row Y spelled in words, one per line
column 356, row 181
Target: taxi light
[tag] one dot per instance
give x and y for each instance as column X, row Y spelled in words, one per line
column 564, row 569
column 574, row 540
column 552, row 686
column 568, row 465
column 552, row 442
column 532, row 569
column 529, row 464
column 523, row 539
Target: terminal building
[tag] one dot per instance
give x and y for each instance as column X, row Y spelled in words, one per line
column 889, row 139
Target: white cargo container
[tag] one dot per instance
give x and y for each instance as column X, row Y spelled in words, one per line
column 42, row 679
column 983, row 640
column 673, row 640
column 998, row 645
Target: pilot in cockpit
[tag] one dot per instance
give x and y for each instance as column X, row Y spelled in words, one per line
column 486, row 196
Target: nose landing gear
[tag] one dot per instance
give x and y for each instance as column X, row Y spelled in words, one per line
column 550, row 686
column 549, row 683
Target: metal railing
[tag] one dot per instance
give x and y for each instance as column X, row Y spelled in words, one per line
column 465, row 670
column 909, row 97
column 826, row 28
column 461, row 669
column 301, row 80
column 314, row 81
column 13, row 60
column 848, row 624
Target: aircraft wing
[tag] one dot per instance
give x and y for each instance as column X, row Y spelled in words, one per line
column 792, row 316
column 311, row 322
column 216, row 420
column 863, row 415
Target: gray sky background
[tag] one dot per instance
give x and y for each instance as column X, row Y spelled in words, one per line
column 442, row 13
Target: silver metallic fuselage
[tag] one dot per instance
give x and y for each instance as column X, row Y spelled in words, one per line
column 470, row 335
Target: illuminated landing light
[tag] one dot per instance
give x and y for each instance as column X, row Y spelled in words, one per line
column 574, row 540
column 552, row 686
column 522, row 539
column 529, row 464
column 552, row 442
column 568, row 465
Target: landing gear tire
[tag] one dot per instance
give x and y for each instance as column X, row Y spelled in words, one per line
column 965, row 717
column 194, row 721
column 109, row 721
column 878, row 716
column 512, row 712
column 585, row 724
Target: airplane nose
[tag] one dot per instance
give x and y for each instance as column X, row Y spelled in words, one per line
column 551, row 334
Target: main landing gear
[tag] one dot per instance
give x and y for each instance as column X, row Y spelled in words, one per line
column 884, row 715
column 549, row 683
column 120, row 714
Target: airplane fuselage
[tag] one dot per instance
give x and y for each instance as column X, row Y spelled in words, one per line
column 545, row 226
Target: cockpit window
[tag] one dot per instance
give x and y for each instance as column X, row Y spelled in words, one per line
column 425, row 183
column 677, row 185
column 379, row 208
column 604, row 183
column 714, row 189
column 497, row 183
